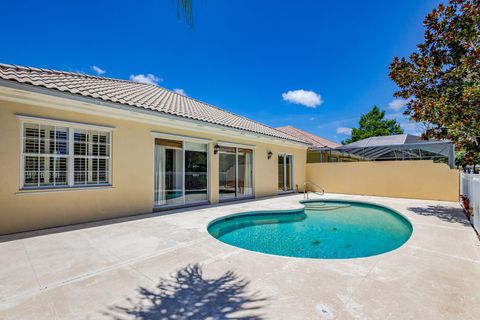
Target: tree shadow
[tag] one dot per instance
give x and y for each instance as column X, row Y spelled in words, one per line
column 189, row 295
column 448, row 214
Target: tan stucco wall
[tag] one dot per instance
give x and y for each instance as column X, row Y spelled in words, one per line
column 132, row 172
column 421, row 179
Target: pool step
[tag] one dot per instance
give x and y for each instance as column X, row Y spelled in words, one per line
column 326, row 207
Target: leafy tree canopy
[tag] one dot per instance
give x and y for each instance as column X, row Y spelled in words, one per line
column 373, row 124
column 442, row 79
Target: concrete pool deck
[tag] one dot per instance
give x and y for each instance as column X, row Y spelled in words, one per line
column 157, row 266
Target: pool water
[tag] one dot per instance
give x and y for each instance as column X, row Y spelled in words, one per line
column 323, row 230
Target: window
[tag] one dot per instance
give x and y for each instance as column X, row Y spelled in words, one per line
column 58, row 154
column 236, row 173
column 91, row 157
column 45, row 155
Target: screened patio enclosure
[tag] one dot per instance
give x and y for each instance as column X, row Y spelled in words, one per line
column 398, row 147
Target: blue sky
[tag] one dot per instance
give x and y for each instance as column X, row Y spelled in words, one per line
column 316, row 65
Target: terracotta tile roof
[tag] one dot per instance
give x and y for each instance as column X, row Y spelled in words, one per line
column 136, row 95
column 316, row 141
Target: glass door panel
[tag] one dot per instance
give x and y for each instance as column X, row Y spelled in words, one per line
column 196, row 177
column 288, row 173
column 285, row 172
column 159, row 177
column 227, row 174
column 245, row 173
column 281, row 172
column 173, row 176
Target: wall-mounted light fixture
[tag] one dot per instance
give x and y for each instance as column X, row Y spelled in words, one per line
column 216, row 147
column 269, row 154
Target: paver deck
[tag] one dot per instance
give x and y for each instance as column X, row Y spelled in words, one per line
column 157, row 266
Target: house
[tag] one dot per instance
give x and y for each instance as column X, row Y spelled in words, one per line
column 79, row 148
column 320, row 149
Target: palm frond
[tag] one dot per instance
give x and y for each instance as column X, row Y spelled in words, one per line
column 185, row 10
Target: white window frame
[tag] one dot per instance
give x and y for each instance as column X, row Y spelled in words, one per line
column 292, row 175
column 71, row 126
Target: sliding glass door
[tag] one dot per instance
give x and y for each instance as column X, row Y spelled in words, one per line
column 181, row 172
column 285, row 172
column 196, row 172
column 236, row 173
column 228, row 173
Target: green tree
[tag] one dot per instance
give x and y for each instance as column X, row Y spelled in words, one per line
column 373, row 124
column 442, row 78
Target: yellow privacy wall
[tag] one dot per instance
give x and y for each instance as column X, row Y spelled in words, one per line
column 421, row 179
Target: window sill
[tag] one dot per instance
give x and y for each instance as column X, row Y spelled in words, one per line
column 236, row 199
column 64, row 189
column 286, row 192
column 160, row 208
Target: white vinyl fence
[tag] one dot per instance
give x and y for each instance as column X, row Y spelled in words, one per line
column 470, row 187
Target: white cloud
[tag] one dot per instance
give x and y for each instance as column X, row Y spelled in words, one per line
column 98, row 70
column 307, row 98
column 344, row 130
column 335, row 123
column 145, row 78
column 180, row 91
column 394, row 115
column 312, row 118
column 411, row 127
column 397, row 104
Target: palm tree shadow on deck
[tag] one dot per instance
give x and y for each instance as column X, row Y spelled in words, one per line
column 189, row 295
column 448, row 214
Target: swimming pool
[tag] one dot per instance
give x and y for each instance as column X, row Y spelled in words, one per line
column 327, row 229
